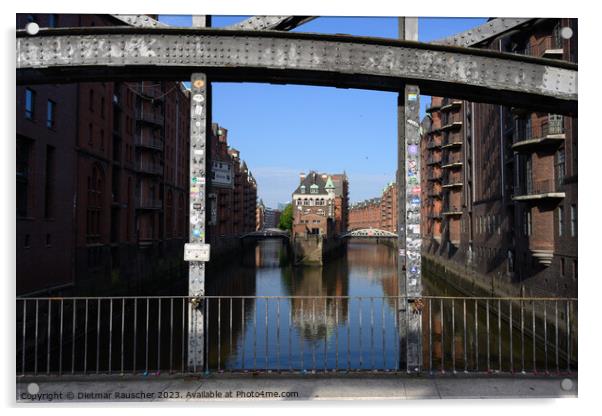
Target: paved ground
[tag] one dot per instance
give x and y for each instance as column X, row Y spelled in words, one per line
column 292, row 387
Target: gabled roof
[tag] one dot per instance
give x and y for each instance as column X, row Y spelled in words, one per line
column 313, row 179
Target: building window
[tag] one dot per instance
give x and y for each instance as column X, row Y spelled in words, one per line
column 30, row 100
column 559, row 170
column 527, row 224
column 560, row 220
column 102, row 107
column 562, row 266
column 23, row 155
column 573, row 220
column 50, row 114
column 94, row 210
column 90, row 131
column 49, row 182
column 91, row 100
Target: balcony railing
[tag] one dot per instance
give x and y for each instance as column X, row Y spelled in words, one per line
column 149, row 116
column 451, row 119
column 537, row 189
column 451, row 210
column 86, row 336
column 149, row 142
column 150, row 168
column 542, row 130
column 544, row 47
column 151, row 93
column 147, row 203
column 450, row 160
column 452, row 140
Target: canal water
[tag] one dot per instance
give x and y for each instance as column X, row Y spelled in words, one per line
column 303, row 319
column 265, row 314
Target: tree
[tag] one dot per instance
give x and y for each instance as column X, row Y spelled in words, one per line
column 286, row 218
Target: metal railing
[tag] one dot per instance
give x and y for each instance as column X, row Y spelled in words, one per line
column 149, row 116
column 451, row 159
column 149, row 335
column 451, row 118
column 151, row 142
column 149, row 203
column 539, row 48
column 547, row 186
column 149, row 167
column 543, row 129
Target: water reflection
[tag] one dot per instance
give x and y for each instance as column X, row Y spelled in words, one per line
column 315, row 326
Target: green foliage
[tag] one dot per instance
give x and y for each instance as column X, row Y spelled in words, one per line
column 286, row 218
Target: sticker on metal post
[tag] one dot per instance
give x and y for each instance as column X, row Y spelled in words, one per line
column 196, row 252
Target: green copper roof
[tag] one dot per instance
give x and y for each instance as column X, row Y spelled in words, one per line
column 329, row 184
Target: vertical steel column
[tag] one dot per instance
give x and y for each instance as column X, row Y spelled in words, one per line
column 408, row 215
column 197, row 252
column 198, row 154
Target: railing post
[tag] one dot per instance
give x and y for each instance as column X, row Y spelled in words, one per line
column 408, row 216
column 198, row 153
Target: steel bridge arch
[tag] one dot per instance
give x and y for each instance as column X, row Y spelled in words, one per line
column 109, row 53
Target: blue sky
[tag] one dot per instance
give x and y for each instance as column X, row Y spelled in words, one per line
column 282, row 130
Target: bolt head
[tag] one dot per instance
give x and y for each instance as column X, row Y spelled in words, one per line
column 32, row 28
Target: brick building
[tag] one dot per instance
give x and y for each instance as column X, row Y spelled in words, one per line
column 320, row 204
column 101, row 179
column 271, row 218
column 378, row 213
column 500, row 183
column 232, row 194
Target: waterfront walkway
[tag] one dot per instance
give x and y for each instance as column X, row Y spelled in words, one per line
column 292, row 387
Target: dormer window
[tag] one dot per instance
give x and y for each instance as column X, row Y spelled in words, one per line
column 302, row 189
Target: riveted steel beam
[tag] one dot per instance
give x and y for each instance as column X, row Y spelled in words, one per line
column 271, row 23
column 484, row 32
column 138, row 20
column 70, row 55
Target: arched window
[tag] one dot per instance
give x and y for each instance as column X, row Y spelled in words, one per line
column 95, row 204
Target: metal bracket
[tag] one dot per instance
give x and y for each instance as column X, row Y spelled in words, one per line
column 196, row 252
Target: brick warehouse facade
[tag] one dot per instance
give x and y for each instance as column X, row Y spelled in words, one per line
column 320, row 204
column 102, row 181
column 232, row 195
column 499, row 184
column 378, row 213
